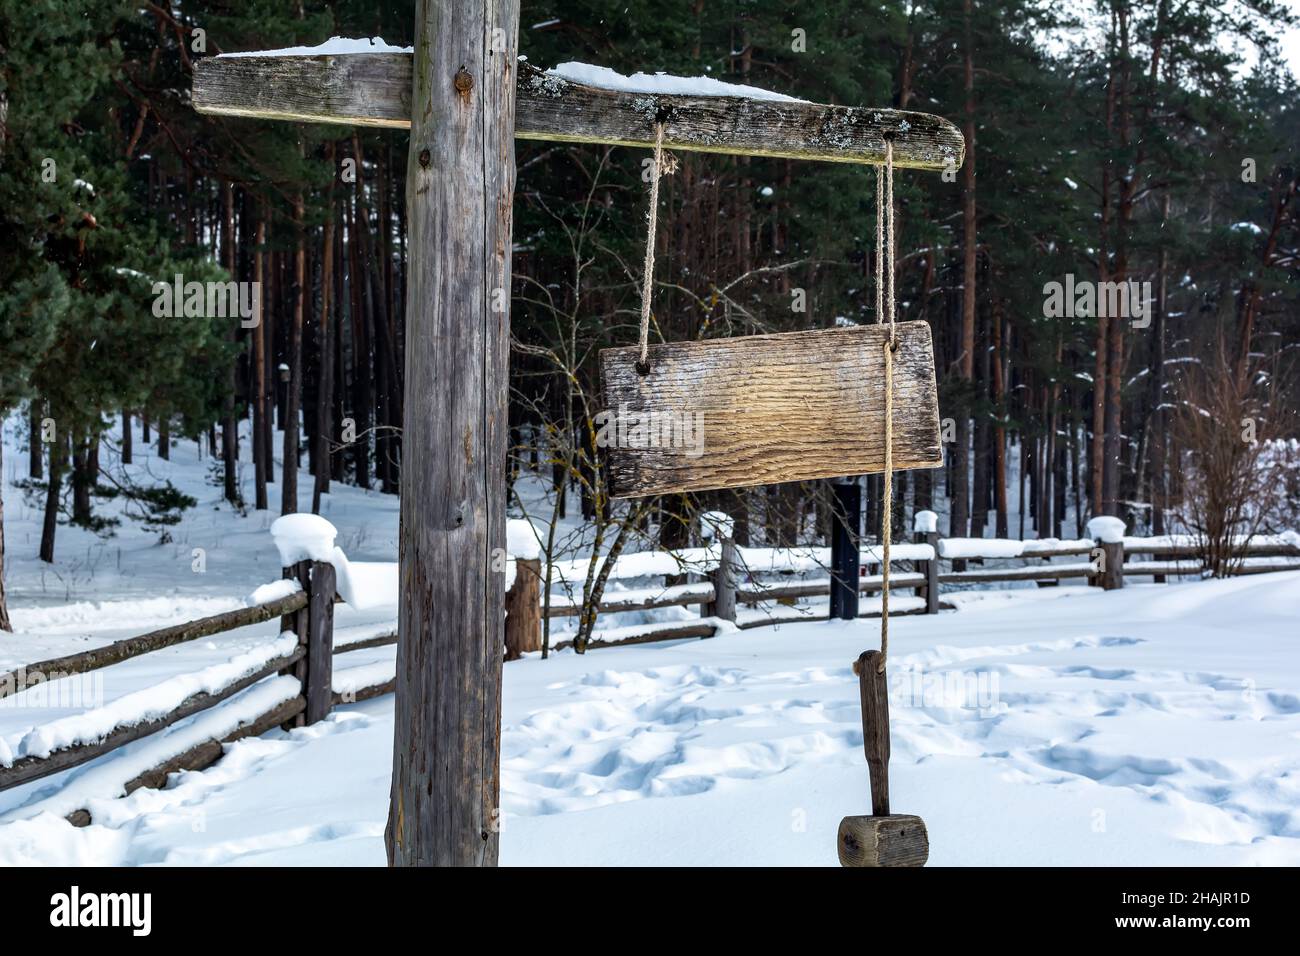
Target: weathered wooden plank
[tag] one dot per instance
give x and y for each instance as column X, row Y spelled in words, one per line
column 374, row 89
column 16, row 680
column 763, row 409
column 445, row 798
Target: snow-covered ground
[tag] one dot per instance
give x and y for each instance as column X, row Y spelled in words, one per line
column 1159, row 724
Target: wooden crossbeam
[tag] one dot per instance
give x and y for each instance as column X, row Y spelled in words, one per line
column 374, row 89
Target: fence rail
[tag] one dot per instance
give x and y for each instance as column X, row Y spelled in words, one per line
column 307, row 611
column 721, row 591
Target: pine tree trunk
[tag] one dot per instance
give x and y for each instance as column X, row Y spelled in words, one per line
column 1000, row 434
column 53, row 491
column 35, row 446
column 165, row 436
column 261, row 460
column 229, row 424
column 362, row 392
column 126, row 437
column 958, row 525
column 289, row 469
column 5, row 624
column 325, row 363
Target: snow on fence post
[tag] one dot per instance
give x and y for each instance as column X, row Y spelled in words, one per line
column 307, row 553
column 524, row 609
column 726, row 576
column 1108, row 532
column 926, row 530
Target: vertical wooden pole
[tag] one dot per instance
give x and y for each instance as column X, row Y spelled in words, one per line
column 460, row 183
column 845, row 558
column 524, row 609
column 318, row 685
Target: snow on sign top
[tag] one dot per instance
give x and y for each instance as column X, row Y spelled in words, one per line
column 334, row 46
column 599, row 76
column 607, row 79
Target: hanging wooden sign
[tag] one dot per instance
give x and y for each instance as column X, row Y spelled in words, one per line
column 761, row 409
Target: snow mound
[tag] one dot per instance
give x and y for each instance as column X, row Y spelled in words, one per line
column 716, row 525
column 521, row 539
column 273, row 591
column 334, row 46
column 1106, row 528
column 607, row 79
column 303, row 537
column 925, row 522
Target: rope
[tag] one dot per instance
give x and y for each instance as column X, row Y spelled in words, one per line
column 885, row 269
column 647, row 279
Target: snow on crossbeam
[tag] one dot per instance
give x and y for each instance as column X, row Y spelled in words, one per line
column 374, row 89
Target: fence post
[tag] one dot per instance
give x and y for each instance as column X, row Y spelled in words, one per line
column 1108, row 532
column 932, row 575
column 318, row 681
column 524, row 609
column 925, row 526
column 1112, row 573
column 846, row 522
column 725, row 578
column 721, row 527
column 297, row 621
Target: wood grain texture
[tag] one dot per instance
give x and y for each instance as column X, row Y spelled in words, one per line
column 460, row 187
column 317, row 684
column 873, row 689
column 897, row 840
column 786, row 407
column 374, row 89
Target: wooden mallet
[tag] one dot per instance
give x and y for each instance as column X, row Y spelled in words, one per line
column 884, row 838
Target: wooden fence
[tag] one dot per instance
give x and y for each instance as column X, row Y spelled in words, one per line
column 308, row 612
column 733, row 583
column 728, row 585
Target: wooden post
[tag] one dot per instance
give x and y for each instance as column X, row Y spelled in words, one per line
column 524, row 609
column 846, row 522
column 318, row 682
column 444, row 806
column 1112, row 574
column 726, row 578
column 297, row 621
column 932, row 574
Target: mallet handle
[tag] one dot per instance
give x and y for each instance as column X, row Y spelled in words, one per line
column 875, row 727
